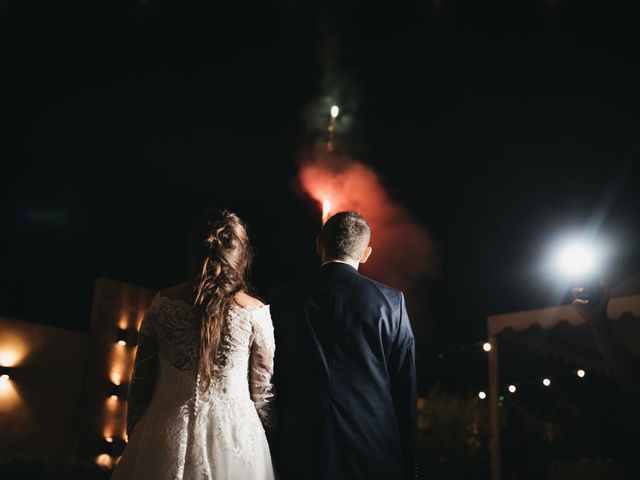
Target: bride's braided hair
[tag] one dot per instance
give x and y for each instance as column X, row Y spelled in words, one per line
column 227, row 258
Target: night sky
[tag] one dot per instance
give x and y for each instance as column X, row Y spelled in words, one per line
column 498, row 125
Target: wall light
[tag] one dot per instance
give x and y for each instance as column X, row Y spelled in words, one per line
column 116, row 391
column 122, row 336
column 105, row 461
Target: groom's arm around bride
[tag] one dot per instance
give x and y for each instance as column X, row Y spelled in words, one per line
column 344, row 368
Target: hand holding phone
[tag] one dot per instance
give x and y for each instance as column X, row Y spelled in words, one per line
column 591, row 300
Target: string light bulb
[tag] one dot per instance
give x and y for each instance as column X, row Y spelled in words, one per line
column 486, row 346
column 546, row 382
column 482, row 395
column 109, row 439
column 581, row 373
column 4, row 377
column 335, row 111
column 512, row 389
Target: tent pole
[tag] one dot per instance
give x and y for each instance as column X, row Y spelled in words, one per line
column 494, row 409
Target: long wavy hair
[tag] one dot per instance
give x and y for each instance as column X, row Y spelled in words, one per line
column 221, row 251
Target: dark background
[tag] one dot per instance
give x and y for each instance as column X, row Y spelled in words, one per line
column 499, row 125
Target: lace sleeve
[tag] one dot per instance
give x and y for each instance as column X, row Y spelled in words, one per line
column 261, row 366
column 144, row 372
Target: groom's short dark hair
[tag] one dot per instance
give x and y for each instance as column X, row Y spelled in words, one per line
column 345, row 235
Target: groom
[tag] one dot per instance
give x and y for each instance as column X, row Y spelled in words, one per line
column 344, row 368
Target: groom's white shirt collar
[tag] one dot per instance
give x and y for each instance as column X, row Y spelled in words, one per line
column 353, row 264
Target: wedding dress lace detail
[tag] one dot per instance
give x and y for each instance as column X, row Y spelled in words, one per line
column 190, row 433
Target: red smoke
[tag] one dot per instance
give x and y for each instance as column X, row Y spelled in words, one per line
column 403, row 254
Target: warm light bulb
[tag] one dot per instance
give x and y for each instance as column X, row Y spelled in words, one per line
column 581, row 373
column 546, row 382
column 486, row 347
column 109, row 439
column 482, row 395
column 114, row 397
column 335, row 111
column 512, row 388
column 4, row 377
column 122, row 342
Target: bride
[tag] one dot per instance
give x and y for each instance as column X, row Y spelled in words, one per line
column 201, row 389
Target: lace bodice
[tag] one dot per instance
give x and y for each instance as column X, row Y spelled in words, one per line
column 169, row 335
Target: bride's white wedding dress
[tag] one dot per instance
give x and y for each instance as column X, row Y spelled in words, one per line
column 177, row 431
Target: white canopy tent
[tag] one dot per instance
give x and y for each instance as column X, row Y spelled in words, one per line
column 578, row 347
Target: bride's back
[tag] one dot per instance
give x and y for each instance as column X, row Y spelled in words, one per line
column 176, row 323
column 202, row 378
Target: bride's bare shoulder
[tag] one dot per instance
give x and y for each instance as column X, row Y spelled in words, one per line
column 245, row 300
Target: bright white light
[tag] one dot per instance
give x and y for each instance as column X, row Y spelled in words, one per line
column 114, row 397
column 4, row 377
column 482, row 395
column 335, row 111
column 122, row 342
column 486, row 347
column 546, row 382
column 512, row 388
column 577, row 258
column 581, row 373
column 109, row 439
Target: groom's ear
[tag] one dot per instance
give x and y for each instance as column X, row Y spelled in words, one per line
column 365, row 255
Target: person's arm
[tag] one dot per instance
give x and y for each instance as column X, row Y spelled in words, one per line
column 403, row 389
column 622, row 363
column 261, row 367
column 143, row 380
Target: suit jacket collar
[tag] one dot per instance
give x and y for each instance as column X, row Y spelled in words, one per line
column 338, row 266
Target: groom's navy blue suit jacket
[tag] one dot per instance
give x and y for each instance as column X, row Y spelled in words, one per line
column 344, row 378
